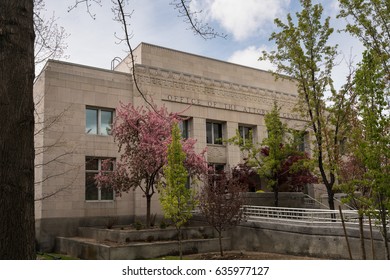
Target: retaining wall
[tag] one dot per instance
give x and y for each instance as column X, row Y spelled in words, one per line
column 325, row 241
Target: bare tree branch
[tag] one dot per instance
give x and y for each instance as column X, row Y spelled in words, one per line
column 191, row 17
column 88, row 6
column 61, row 189
column 122, row 17
column 50, row 38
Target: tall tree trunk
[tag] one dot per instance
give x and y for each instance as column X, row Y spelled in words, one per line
column 148, row 205
column 361, row 229
column 345, row 233
column 17, row 230
column 180, row 245
column 372, row 239
column 220, row 242
column 383, row 217
column 276, row 196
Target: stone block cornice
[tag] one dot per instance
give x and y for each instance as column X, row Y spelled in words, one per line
column 198, row 84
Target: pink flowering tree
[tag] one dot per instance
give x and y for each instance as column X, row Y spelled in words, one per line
column 143, row 136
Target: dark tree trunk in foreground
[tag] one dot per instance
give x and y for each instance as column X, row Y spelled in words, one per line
column 17, row 229
column 276, row 194
column 383, row 219
column 361, row 230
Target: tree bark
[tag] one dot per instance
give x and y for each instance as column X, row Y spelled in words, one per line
column 220, row 242
column 361, row 229
column 372, row 239
column 383, row 217
column 148, row 205
column 345, row 232
column 180, row 245
column 17, row 230
column 276, row 195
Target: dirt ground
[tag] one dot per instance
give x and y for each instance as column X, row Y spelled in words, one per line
column 244, row 255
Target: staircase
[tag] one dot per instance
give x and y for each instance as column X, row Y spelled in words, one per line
column 312, row 203
column 129, row 244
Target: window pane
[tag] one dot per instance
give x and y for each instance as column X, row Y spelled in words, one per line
column 188, row 182
column 246, row 132
column 300, row 139
column 241, row 131
column 106, row 194
column 219, row 168
column 217, row 133
column 106, row 122
column 91, row 121
column 209, row 133
column 107, row 164
column 91, row 191
column 183, row 125
column 91, row 163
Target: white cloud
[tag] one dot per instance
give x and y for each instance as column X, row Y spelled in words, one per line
column 242, row 18
column 250, row 57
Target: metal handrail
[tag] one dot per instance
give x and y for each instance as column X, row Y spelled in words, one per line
column 315, row 200
column 298, row 215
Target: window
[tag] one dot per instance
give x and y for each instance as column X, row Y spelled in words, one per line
column 184, row 127
column 245, row 133
column 92, row 192
column 188, row 182
column 215, row 172
column 301, row 140
column 343, row 146
column 217, row 168
column 98, row 121
column 214, row 133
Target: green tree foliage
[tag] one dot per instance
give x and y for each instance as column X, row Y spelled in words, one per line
column 278, row 150
column 277, row 158
column 221, row 201
column 369, row 20
column 304, row 55
column 370, row 145
column 176, row 199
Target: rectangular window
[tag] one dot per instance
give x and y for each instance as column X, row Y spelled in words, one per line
column 214, row 133
column 92, row 192
column 245, row 133
column 343, row 146
column 217, row 167
column 301, row 140
column 215, row 171
column 99, row 121
column 184, row 126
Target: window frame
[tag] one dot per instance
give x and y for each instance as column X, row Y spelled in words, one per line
column 213, row 139
column 241, row 132
column 184, row 126
column 302, row 141
column 217, row 169
column 96, row 171
column 99, row 120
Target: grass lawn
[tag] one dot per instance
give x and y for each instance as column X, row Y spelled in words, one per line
column 53, row 256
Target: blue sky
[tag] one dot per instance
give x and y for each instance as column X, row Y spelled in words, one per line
column 247, row 24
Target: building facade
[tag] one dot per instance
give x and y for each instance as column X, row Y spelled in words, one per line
column 75, row 106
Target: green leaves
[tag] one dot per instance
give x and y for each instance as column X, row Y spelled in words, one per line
column 176, row 199
column 370, row 22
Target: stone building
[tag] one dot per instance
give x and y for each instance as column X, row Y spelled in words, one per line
column 76, row 105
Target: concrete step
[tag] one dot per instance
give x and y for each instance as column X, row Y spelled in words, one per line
column 91, row 249
column 126, row 235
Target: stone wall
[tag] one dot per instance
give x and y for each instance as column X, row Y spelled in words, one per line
column 286, row 199
column 326, row 242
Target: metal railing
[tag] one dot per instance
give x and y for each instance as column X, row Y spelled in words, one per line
column 311, row 201
column 298, row 215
